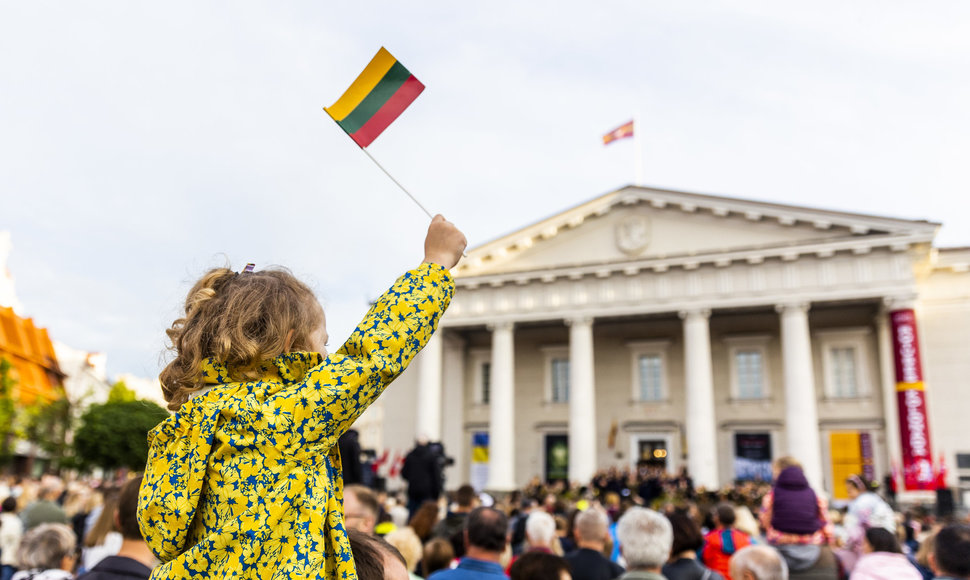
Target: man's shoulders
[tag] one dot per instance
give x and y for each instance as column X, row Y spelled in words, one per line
column 470, row 568
column 117, row 567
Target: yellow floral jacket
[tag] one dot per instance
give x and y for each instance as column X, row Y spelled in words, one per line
column 244, row 481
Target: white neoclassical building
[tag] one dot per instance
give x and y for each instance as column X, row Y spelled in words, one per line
column 697, row 331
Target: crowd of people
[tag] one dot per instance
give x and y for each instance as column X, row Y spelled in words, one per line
column 85, row 529
column 645, row 524
column 630, row 524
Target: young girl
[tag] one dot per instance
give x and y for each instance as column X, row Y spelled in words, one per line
column 244, row 480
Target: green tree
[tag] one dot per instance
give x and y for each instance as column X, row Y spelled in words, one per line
column 120, row 393
column 115, row 434
column 7, row 411
column 47, row 423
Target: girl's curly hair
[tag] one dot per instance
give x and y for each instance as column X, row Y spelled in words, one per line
column 240, row 320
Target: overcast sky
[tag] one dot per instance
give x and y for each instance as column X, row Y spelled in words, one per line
column 143, row 142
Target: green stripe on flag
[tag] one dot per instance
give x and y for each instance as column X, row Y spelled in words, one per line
column 390, row 83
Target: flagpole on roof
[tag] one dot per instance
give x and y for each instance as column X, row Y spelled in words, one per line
column 638, row 149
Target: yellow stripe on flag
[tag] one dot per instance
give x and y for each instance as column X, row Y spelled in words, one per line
column 917, row 386
column 365, row 83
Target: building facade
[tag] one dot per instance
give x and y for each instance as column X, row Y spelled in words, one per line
column 691, row 331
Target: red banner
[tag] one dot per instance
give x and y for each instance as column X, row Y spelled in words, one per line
column 914, row 425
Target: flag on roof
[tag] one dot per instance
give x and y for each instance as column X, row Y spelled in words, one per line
column 621, row 132
column 379, row 95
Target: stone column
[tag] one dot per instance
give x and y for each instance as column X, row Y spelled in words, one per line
column 501, row 453
column 887, row 383
column 801, row 404
column 428, row 423
column 582, row 405
column 699, row 378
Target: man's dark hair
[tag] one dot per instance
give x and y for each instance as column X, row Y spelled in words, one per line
column 487, row 529
column 369, row 552
column 725, row 515
column 883, row 540
column 465, row 496
column 687, row 534
column 9, row 505
column 952, row 551
column 128, row 508
column 539, row 566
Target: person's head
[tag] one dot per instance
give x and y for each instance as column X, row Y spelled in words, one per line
column 9, row 505
column 951, row 554
column 438, row 555
column 724, row 515
column 485, row 529
column 592, row 526
column 50, row 489
column 241, row 320
column 645, row 538
column 881, row 540
column 758, row 563
column 375, row 559
column 465, row 497
column 47, row 547
column 687, row 534
column 126, row 518
column 855, row 485
column 408, row 544
column 424, row 519
column 540, row 529
column 746, row 522
column 360, row 508
column 783, row 463
column 540, row 566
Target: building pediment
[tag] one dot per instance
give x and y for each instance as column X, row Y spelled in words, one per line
column 637, row 227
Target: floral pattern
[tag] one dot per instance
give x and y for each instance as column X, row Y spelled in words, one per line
column 244, row 481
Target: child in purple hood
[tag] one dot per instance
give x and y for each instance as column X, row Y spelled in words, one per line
column 791, row 513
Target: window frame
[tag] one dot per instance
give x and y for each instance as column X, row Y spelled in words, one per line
column 743, row 343
column 479, row 358
column 857, row 339
column 551, row 353
column 649, row 348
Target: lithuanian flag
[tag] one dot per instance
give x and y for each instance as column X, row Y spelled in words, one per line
column 379, row 95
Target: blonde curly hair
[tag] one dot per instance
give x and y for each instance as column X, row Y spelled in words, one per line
column 241, row 320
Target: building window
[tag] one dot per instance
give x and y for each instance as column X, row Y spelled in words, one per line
column 560, row 380
column 556, row 374
column 843, row 371
column 650, row 375
column 649, row 370
column 749, row 367
column 748, row 361
column 845, row 362
column 486, row 378
column 481, row 368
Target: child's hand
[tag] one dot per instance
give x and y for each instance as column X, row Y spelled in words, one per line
column 444, row 243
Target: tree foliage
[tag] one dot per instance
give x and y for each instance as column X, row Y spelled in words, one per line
column 115, row 434
column 7, row 411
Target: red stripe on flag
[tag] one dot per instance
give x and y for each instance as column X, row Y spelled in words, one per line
column 390, row 111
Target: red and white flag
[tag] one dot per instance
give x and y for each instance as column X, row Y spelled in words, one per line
column 621, row 132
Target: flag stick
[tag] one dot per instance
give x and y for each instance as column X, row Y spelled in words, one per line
column 638, row 149
column 364, row 149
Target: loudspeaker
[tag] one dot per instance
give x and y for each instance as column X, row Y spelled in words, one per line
column 944, row 503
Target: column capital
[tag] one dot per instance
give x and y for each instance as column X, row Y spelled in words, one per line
column 500, row 325
column 898, row 302
column 579, row 321
column 802, row 307
column 704, row 313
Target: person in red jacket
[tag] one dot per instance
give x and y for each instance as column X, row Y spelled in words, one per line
column 724, row 541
